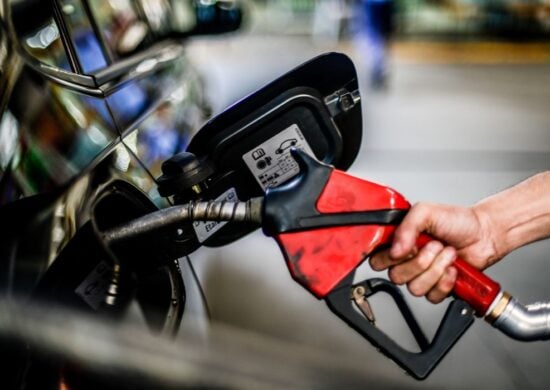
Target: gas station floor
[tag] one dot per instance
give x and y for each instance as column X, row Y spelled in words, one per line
column 470, row 52
column 456, row 123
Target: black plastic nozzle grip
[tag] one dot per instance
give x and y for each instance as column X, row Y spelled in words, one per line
column 457, row 319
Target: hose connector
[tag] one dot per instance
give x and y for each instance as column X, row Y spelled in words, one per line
column 524, row 323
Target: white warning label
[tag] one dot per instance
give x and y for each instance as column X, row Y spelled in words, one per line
column 203, row 230
column 271, row 162
column 94, row 288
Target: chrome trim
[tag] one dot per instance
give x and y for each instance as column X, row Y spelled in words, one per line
column 141, row 64
column 61, row 74
column 497, row 306
column 342, row 101
column 59, row 78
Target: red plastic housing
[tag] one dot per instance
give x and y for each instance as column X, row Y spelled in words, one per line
column 320, row 258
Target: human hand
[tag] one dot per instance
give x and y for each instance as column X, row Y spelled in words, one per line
column 457, row 231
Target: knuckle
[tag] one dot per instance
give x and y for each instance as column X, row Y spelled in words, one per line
column 421, row 208
column 435, row 297
column 417, row 213
column 418, row 206
column 375, row 263
column 445, row 259
column 447, row 282
column 434, row 246
column 424, row 260
column 378, row 262
column 451, row 251
column 428, row 254
column 445, row 285
column 395, row 275
column 449, row 254
column 415, row 289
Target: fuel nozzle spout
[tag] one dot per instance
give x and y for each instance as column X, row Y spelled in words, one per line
column 171, row 217
column 520, row 322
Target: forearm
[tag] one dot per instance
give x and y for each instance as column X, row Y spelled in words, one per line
column 518, row 215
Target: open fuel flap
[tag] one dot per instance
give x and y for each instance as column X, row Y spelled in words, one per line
column 244, row 150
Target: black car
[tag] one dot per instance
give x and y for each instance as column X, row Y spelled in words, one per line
column 101, row 123
column 94, row 95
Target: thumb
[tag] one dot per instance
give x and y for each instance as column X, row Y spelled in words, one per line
column 415, row 222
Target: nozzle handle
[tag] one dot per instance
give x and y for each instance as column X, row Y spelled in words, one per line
column 472, row 285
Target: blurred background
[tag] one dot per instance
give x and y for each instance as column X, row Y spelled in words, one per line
column 455, row 97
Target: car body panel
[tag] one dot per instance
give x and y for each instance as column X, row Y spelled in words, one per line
column 75, row 120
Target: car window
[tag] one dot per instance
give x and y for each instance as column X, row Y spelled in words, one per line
column 44, row 44
column 9, row 149
column 158, row 14
column 9, row 130
column 61, row 134
column 184, row 17
column 170, row 126
column 90, row 52
column 121, row 27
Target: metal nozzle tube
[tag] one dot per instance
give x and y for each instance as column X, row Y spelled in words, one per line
column 249, row 211
column 524, row 323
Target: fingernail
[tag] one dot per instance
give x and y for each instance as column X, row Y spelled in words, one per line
column 451, row 271
column 396, row 250
column 412, row 253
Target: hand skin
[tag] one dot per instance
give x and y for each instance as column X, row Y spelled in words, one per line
column 481, row 234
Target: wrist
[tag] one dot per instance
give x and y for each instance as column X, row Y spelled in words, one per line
column 516, row 216
column 491, row 234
